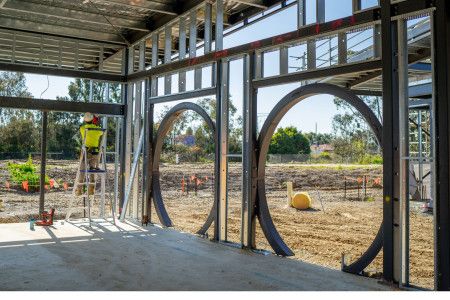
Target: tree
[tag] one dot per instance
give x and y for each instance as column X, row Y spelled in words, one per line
column 354, row 137
column 319, row 138
column 289, row 141
column 14, row 84
column 235, row 132
column 19, row 133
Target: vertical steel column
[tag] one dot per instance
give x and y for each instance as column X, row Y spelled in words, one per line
column 320, row 11
column 301, row 13
column 218, row 39
column 116, row 160
column 217, row 172
column 148, row 156
column 221, row 165
column 125, row 159
column 208, row 27
column 283, row 55
column 441, row 65
column 342, row 48
column 168, row 58
column 103, row 178
column 136, row 131
column 284, row 60
column 356, row 6
column 249, row 175
column 208, row 37
column 123, row 131
column 390, row 142
column 420, row 149
column 403, row 238
column 259, row 68
column 154, row 81
column 155, row 46
column 182, row 54
column 43, row 161
column 377, row 41
column 129, row 124
column 223, row 145
column 219, row 25
column 193, row 48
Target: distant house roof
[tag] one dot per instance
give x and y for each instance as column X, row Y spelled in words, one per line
column 322, row 148
column 188, row 140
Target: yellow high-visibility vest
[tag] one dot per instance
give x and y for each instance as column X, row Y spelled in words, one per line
column 93, row 136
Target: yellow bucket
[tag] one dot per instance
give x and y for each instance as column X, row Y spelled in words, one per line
column 301, row 200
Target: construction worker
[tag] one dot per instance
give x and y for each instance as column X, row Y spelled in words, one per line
column 91, row 139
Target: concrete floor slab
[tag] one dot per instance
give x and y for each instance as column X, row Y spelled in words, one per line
column 73, row 256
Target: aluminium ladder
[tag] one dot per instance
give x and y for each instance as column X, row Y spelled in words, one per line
column 84, row 170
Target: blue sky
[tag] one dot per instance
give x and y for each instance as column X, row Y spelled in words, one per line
column 305, row 115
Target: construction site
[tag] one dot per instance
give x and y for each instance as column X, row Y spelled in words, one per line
column 175, row 161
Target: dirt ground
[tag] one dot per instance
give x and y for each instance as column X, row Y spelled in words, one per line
column 339, row 222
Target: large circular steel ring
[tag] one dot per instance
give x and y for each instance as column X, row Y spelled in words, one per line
column 267, row 131
column 166, row 125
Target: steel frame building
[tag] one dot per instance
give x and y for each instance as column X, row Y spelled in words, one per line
column 144, row 46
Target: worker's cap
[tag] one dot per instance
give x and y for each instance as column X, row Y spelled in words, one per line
column 88, row 117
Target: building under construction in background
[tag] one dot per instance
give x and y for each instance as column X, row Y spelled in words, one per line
column 165, row 51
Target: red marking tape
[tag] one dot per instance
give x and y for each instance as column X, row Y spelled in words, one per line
column 219, row 54
column 336, row 24
column 255, row 44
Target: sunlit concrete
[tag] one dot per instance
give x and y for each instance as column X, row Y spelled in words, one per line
column 73, row 256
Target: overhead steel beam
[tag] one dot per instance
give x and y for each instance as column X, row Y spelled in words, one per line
column 424, row 90
column 61, row 106
column 318, row 73
column 184, row 95
column 412, row 59
column 94, row 75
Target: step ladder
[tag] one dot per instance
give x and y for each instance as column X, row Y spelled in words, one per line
column 85, row 171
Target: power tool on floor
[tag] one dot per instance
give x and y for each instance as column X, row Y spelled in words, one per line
column 46, row 218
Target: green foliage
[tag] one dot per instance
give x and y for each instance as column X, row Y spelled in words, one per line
column 370, row 159
column 354, row 136
column 289, row 141
column 325, row 155
column 319, row 138
column 19, row 135
column 25, row 172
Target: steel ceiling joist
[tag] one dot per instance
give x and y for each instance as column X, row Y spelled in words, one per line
column 78, row 17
